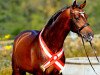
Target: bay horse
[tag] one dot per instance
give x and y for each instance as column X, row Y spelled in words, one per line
column 40, row 52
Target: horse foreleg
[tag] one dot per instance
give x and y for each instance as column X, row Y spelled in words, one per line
column 38, row 73
column 56, row 72
column 16, row 70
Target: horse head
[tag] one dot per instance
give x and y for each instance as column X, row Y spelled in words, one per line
column 79, row 23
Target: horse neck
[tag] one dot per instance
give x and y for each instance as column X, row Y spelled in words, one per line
column 55, row 34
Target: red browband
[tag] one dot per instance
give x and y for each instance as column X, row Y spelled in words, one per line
column 53, row 58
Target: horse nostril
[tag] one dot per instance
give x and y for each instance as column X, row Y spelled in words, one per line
column 90, row 35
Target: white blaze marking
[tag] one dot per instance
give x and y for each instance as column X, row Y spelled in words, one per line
column 82, row 13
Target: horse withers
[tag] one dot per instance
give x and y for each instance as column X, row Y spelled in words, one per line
column 40, row 52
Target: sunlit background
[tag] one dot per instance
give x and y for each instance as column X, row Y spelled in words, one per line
column 20, row 15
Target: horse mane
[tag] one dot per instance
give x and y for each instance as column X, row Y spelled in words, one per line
column 54, row 17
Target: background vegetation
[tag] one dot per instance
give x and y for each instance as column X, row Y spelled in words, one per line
column 20, row 15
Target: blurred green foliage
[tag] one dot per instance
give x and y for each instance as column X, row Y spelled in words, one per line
column 19, row 15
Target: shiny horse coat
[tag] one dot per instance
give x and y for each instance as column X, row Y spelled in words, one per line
column 27, row 55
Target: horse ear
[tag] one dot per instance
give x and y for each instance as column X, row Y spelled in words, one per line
column 74, row 4
column 83, row 5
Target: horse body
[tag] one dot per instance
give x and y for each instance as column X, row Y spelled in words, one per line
column 27, row 55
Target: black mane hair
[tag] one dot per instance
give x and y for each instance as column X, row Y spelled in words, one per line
column 54, row 17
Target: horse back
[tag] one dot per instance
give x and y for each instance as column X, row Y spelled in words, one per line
column 25, row 37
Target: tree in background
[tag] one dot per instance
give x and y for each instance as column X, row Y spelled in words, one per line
column 19, row 15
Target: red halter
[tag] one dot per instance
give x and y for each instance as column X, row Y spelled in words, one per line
column 53, row 58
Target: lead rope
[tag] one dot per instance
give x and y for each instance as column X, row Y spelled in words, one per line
column 94, row 51
column 88, row 56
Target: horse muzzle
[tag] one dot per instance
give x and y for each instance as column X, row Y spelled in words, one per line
column 88, row 37
column 86, row 32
